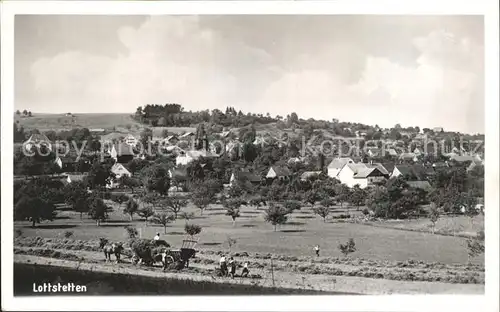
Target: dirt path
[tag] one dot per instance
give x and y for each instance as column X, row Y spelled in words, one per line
column 282, row 278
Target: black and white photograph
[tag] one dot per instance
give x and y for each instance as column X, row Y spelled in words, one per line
column 192, row 154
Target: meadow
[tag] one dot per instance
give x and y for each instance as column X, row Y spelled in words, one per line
column 297, row 237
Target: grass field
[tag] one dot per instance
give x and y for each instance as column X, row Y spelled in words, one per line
column 296, row 238
column 57, row 122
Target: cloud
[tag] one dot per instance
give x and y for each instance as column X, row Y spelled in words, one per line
column 187, row 60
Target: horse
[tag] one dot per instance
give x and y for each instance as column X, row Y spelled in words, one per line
column 109, row 249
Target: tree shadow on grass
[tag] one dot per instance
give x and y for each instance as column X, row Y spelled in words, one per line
column 115, row 224
column 175, row 233
column 295, row 223
column 62, row 218
column 292, row 231
column 248, row 225
column 305, row 217
column 211, row 244
column 53, row 226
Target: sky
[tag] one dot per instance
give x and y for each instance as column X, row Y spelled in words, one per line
column 425, row 71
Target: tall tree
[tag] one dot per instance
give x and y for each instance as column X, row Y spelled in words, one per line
column 34, row 209
column 163, row 219
column 275, row 215
column 131, row 207
column 98, row 210
column 175, row 205
column 232, row 206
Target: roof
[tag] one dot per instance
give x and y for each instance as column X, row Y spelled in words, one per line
column 407, row 156
column 423, row 185
column 415, row 171
column 76, row 177
column 338, row 163
column 306, row 175
column 364, row 173
column 249, row 176
column 119, row 168
column 38, row 137
column 392, row 152
column 123, row 149
column 179, row 173
column 462, row 158
column 380, row 167
column 185, row 135
column 281, row 171
column 389, row 166
column 200, row 153
column 357, row 167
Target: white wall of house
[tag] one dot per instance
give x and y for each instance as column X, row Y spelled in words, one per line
column 346, row 176
column 183, row 160
column 362, row 182
column 271, row 174
column 396, row 172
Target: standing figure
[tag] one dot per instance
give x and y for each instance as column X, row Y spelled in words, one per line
column 316, row 248
column 157, row 237
column 223, row 265
column 244, row 272
column 232, row 267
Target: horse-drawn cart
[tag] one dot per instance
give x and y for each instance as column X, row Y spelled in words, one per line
column 180, row 257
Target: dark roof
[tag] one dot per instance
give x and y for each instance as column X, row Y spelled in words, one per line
column 380, row 167
column 369, row 172
column 416, row 171
column 423, row 185
column 248, row 176
column 389, row 166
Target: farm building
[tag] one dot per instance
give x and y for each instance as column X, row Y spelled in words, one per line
column 244, row 177
column 352, row 174
column 189, row 156
column 281, row 173
column 336, row 165
column 122, row 153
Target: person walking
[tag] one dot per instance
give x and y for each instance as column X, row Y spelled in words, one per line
column 316, row 249
column 232, row 267
column 245, row 272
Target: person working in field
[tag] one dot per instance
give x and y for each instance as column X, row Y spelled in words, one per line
column 244, row 272
column 316, row 249
column 232, row 267
column 223, row 265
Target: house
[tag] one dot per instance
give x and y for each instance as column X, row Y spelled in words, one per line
column 244, row 177
column 259, row 141
column 187, row 136
column 423, row 185
column 374, row 152
column 437, row 129
column 189, row 156
column 309, row 174
column 392, row 152
column 368, row 177
column 170, row 140
column 282, row 173
column 408, row 157
column 97, row 130
column 360, row 174
column 130, row 140
column 65, row 163
column 380, row 167
column 295, row 160
column 70, row 178
column 38, row 140
column 119, row 171
column 414, row 172
column 122, row 152
column 336, row 165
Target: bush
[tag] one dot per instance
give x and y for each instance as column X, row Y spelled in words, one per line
column 18, row 233
column 131, row 232
column 348, row 247
column 192, row 229
column 68, row 234
column 366, row 212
